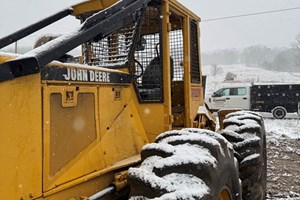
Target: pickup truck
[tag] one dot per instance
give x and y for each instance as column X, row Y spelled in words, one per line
column 279, row 99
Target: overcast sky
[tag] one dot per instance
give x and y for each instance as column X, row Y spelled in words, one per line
column 273, row 30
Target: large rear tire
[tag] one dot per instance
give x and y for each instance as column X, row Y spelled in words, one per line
column 245, row 130
column 186, row 164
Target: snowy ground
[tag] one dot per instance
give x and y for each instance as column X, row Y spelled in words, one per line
column 283, row 136
column 245, row 75
column 283, row 151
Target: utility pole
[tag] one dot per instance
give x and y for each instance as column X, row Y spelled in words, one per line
column 16, row 47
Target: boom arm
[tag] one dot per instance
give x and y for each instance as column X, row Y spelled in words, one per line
column 5, row 41
column 100, row 25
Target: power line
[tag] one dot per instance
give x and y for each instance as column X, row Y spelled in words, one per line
column 250, row 14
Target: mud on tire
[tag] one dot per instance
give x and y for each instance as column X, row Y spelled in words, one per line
column 245, row 130
column 186, row 164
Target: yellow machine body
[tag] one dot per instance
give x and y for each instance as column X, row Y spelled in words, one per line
column 67, row 139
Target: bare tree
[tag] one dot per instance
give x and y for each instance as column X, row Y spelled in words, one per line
column 296, row 44
column 296, row 47
column 215, row 69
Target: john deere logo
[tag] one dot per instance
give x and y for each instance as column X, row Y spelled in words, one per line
column 86, row 75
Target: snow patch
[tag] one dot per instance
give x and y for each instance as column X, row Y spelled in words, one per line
column 254, row 139
column 251, row 157
column 209, row 133
column 150, row 178
column 159, row 146
column 241, row 128
column 188, row 154
column 282, row 129
column 186, row 187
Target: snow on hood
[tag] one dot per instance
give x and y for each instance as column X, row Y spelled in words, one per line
column 13, row 55
column 84, row 66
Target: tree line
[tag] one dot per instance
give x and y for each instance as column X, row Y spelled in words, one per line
column 276, row 59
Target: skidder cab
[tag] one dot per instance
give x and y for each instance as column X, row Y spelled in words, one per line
column 72, row 125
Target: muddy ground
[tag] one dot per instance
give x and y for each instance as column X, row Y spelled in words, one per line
column 283, row 169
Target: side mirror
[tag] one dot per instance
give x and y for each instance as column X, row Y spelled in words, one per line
column 215, row 94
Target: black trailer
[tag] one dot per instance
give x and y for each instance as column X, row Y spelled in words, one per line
column 279, row 99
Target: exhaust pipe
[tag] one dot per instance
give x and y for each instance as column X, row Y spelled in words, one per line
column 103, row 193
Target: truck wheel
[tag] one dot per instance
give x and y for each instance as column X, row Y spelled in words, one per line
column 245, row 130
column 186, row 164
column 279, row 112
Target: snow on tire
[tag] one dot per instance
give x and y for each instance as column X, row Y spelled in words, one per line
column 245, row 130
column 186, row 164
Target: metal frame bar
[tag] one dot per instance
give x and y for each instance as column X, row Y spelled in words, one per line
column 100, row 25
column 7, row 40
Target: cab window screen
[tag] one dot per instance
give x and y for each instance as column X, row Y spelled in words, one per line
column 148, row 67
column 176, row 48
column 195, row 62
column 111, row 51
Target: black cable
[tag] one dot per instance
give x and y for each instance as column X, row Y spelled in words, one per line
column 250, row 14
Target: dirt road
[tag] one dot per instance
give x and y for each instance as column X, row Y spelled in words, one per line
column 283, row 169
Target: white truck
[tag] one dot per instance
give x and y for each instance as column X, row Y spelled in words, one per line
column 279, row 99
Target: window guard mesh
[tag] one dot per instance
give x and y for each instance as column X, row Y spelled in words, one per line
column 148, row 64
column 176, row 52
column 111, row 51
column 195, row 59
